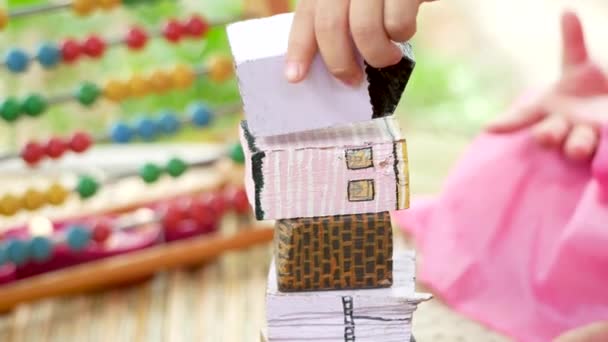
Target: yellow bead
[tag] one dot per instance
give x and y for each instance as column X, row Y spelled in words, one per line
column 138, row 86
column 116, row 90
column 219, row 68
column 108, row 4
column 183, row 76
column 83, row 7
column 3, row 18
column 9, row 205
column 33, row 199
column 56, row 194
column 160, row 81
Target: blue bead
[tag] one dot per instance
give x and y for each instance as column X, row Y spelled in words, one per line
column 168, row 122
column 48, row 55
column 3, row 256
column 121, row 133
column 17, row 60
column 78, row 237
column 200, row 114
column 40, row 248
column 147, row 129
column 17, row 252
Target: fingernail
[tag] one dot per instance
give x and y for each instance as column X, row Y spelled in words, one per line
column 293, row 71
column 354, row 81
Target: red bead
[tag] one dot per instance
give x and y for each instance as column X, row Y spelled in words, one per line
column 217, row 202
column 80, row 142
column 172, row 216
column 202, row 213
column 55, row 147
column 196, row 26
column 102, row 231
column 32, row 153
column 70, row 50
column 136, row 38
column 239, row 201
column 94, row 47
column 173, row 30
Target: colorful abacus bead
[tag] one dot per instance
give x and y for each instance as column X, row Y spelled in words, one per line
column 17, row 251
column 147, row 129
column 94, row 47
column 9, row 205
column 196, row 26
column 16, row 60
column 10, row 109
column 183, row 76
column 102, row 230
column 40, row 248
column 87, row 93
column 70, row 50
column 121, row 133
column 80, row 142
column 48, row 55
column 108, row 4
column 3, row 18
column 83, row 7
column 33, row 199
column 116, row 90
column 138, row 86
column 176, row 167
column 200, row 115
column 136, row 38
column 205, row 217
column 56, row 194
column 220, row 68
column 173, row 31
column 160, row 81
column 78, row 237
column 168, row 122
column 237, row 154
column 150, row 172
column 87, row 187
column 32, row 153
column 239, row 202
column 33, row 105
column 56, row 147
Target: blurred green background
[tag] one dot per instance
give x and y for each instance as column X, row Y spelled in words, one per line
column 447, row 93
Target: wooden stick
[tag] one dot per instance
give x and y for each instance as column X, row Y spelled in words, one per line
column 128, row 267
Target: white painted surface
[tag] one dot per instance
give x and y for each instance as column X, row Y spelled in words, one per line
column 379, row 315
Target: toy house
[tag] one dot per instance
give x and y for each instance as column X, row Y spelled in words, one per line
column 274, row 106
column 350, row 169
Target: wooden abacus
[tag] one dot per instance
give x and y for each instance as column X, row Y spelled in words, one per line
column 52, row 256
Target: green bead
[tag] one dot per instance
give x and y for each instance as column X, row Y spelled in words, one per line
column 87, row 93
column 87, row 186
column 150, row 173
column 33, row 105
column 176, row 167
column 236, row 153
column 10, row 109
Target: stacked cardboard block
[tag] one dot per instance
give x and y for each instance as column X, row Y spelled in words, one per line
column 327, row 162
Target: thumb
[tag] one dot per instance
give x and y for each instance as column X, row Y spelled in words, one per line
column 573, row 41
column 526, row 111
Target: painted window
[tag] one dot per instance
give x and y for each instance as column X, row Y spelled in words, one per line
column 360, row 158
column 361, row 190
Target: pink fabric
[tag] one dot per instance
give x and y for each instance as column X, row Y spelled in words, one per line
column 518, row 239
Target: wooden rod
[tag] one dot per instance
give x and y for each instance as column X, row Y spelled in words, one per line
column 129, row 267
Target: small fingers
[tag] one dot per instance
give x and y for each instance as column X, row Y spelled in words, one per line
column 551, row 131
column 581, row 142
column 335, row 42
column 302, row 44
column 400, row 19
column 367, row 27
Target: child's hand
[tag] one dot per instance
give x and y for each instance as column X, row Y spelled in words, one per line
column 569, row 114
column 337, row 27
column 596, row 332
